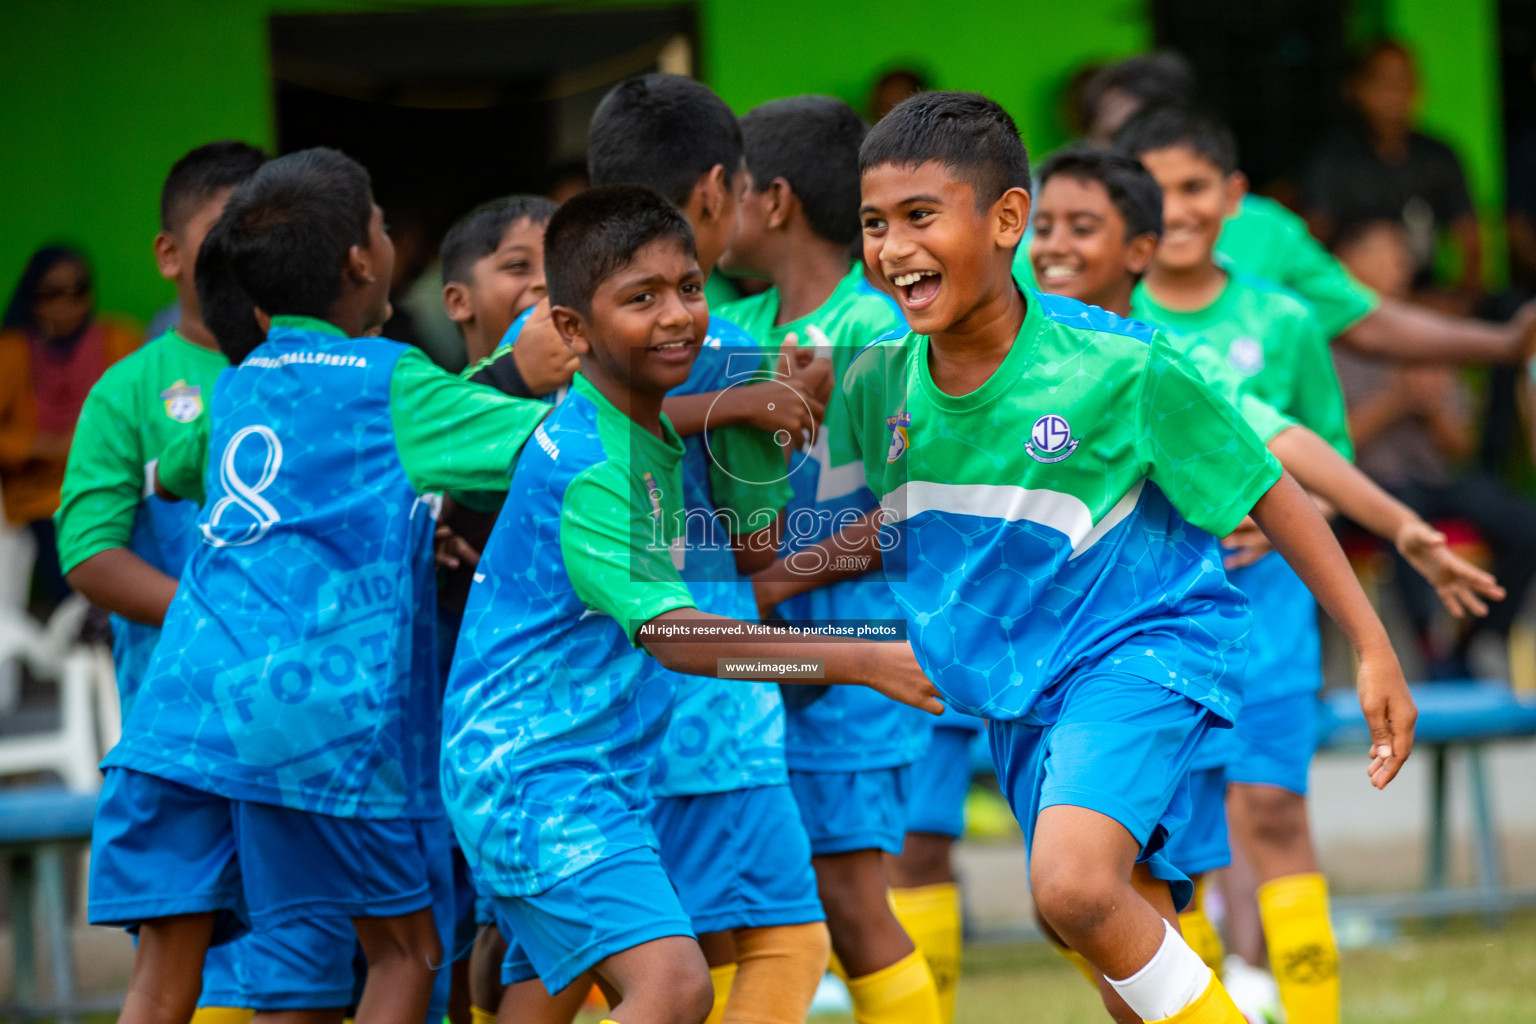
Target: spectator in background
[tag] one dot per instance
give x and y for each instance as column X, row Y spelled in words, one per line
column 1380, row 168
column 893, row 87
column 567, row 181
column 53, row 347
column 1412, row 425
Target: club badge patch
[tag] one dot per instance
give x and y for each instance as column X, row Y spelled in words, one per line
column 1050, row 439
column 183, row 401
column 899, row 440
column 1246, row 356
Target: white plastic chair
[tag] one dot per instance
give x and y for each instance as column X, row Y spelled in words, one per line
column 50, row 652
column 18, row 551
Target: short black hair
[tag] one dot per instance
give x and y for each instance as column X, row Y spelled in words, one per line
column 1157, row 79
column 202, row 172
column 966, row 132
column 812, row 142
column 662, row 131
column 1167, row 127
column 1131, row 186
column 597, row 234
column 283, row 238
column 479, row 232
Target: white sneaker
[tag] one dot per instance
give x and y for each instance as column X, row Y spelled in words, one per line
column 1253, row 990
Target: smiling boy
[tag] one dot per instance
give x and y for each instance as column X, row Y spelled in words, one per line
column 554, row 716
column 1054, row 476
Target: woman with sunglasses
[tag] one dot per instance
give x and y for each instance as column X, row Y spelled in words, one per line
column 53, row 348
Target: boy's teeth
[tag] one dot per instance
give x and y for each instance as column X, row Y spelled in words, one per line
column 902, row 280
column 1056, row 273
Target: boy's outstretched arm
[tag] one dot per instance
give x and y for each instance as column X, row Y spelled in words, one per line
column 1462, row 586
column 1288, row 517
column 851, row 552
column 765, row 405
column 886, row 667
column 1397, row 330
column 120, row 581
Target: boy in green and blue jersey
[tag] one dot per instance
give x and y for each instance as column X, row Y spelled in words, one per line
column 1056, row 476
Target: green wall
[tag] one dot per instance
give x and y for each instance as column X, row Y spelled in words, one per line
column 98, row 97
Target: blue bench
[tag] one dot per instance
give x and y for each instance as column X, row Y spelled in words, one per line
column 38, row 825
column 1467, row 715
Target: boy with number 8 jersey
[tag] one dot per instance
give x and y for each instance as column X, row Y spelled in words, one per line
column 290, row 714
column 1057, row 478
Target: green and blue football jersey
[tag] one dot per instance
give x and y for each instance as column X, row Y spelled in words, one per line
column 849, row 728
column 139, row 407
column 553, row 717
column 295, row 666
column 1064, row 515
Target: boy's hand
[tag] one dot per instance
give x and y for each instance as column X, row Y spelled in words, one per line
column 452, row 551
column 1247, row 544
column 894, row 672
column 1389, row 712
column 796, row 414
column 1461, row 585
column 542, row 356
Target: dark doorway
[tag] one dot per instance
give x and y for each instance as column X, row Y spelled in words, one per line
column 450, row 107
column 1272, row 68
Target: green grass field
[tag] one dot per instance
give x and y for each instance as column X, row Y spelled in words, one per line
column 1461, row 974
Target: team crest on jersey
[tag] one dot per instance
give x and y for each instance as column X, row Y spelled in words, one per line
column 1050, row 439
column 899, row 440
column 1246, row 356
column 183, row 401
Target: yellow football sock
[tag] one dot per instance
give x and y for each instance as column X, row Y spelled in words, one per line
column 479, row 1016
column 222, row 1015
column 1213, row 1007
column 777, row 971
column 721, row 978
column 1079, row 961
column 1200, row 933
column 1302, row 952
column 902, row 993
column 931, row 916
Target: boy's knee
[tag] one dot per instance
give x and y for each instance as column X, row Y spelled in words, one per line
column 694, row 993
column 1073, row 899
column 1272, row 816
column 394, row 942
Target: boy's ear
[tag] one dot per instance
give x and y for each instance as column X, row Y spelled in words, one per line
column 168, row 255
column 1237, row 187
column 456, row 302
column 781, row 200
column 708, row 199
column 572, row 327
column 1139, row 253
column 359, row 265
column 1010, row 217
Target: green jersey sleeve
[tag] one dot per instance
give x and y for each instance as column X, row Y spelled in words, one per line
column 103, row 482
column 453, row 435
column 1195, row 446
column 1338, row 300
column 604, row 529
column 182, row 468
column 1317, row 401
column 1265, row 419
column 747, row 477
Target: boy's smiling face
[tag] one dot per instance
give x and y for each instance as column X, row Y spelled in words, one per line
column 1079, row 248
column 1197, row 199
column 939, row 255
column 502, row 284
column 647, row 321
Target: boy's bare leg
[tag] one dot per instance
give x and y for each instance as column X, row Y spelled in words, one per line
column 1270, row 825
column 719, row 948
column 402, row 953
column 167, row 970
column 529, row 1002
column 664, row 981
column 924, row 860
column 490, row 949
column 865, row 933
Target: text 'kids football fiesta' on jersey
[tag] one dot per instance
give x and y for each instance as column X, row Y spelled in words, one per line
column 296, row 666
column 1064, row 515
